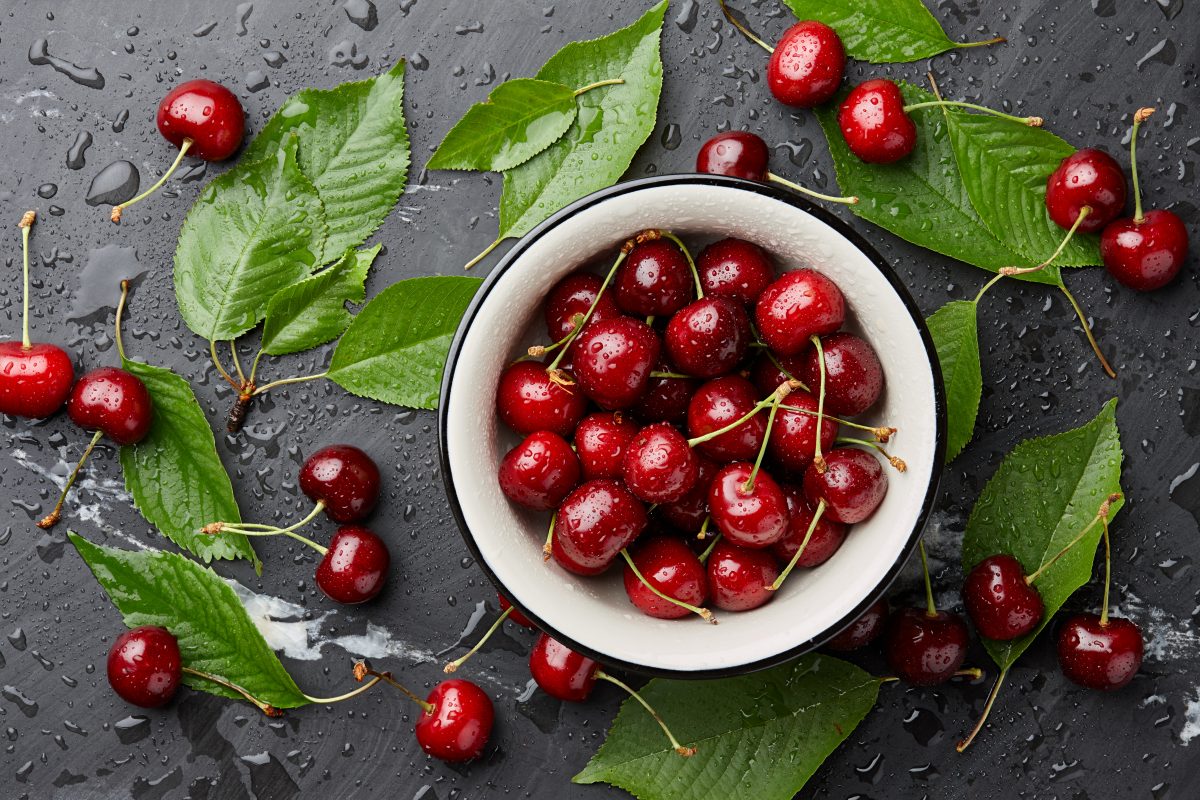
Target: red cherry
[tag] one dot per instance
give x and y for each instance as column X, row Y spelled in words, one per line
column 739, row 579
column 735, row 269
column 654, row 280
column 826, row 538
column 540, row 471
column 672, row 568
column 852, row 485
column 561, row 672
column 114, row 402
column 1087, row 177
column 874, row 123
column 708, row 337
column 666, row 399
column 793, row 438
column 719, row 403
column 145, row 667
column 206, row 113
column 659, row 465
column 515, row 615
column 1001, row 603
column 863, row 630
column 595, row 523
column 613, row 360
column 738, row 154
column 35, row 381
column 853, row 374
column 806, row 67
column 458, row 727
column 573, row 296
column 796, row 306
column 1145, row 255
column 925, row 649
column 766, row 375
column 344, row 479
column 527, row 401
column 754, row 518
column 689, row 512
column 355, row 567
column 600, row 441
column 1100, row 654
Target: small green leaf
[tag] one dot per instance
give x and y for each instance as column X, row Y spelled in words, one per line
column 216, row 636
column 521, row 118
column 956, row 337
column 395, row 349
column 1043, row 495
column 176, row 478
column 313, row 311
column 880, row 31
column 757, row 737
column 353, row 148
column 612, row 124
column 253, row 231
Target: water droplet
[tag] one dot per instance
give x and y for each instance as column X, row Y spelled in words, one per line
column 114, row 184
column 205, row 29
column 47, row 190
column 362, row 13
column 39, row 54
column 76, row 155
column 242, row 14
column 256, row 80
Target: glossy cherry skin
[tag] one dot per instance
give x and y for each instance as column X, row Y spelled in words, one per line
column 735, row 269
column 540, row 471
column 659, row 466
column 874, row 123
column 573, row 296
column 755, row 518
column 924, row 650
column 666, row 399
column 826, row 538
column 561, row 672
column 672, row 568
column 461, row 721
column 613, row 360
column 35, row 381
column 766, row 375
column 738, row 577
column 595, row 523
column 205, row 112
column 654, row 280
column 1087, row 177
column 998, row 599
column 708, row 337
column 515, row 616
column 721, row 402
column 853, row 374
column 344, row 478
column 355, row 568
column 738, row 154
column 863, row 630
column 688, row 513
column 795, row 306
column 1096, row 656
column 601, row 440
column 527, row 401
column 806, row 67
column 114, row 401
column 793, row 439
column 145, row 667
column 852, row 486
column 1145, row 255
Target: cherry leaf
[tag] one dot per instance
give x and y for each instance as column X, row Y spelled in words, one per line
column 956, row 337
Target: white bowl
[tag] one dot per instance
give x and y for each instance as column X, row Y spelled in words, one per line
column 593, row 615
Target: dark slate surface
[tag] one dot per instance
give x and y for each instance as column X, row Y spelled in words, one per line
column 1084, row 65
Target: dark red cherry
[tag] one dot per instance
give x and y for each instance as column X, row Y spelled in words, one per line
column 754, row 518
column 735, row 269
column 796, row 306
column 600, row 441
column 863, row 630
column 461, row 721
column 999, row 601
column 766, row 374
column 666, row 399
column 573, row 296
column 924, row 649
column 1087, row 177
column 344, row 479
column 852, row 486
column 35, row 381
column 516, row 616
column 205, row 112
column 527, row 401
column 1145, row 255
column 708, row 337
column 719, row 403
column 355, row 567
column 806, row 67
column 654, row 280
column 561, row 672
column 595, row 523
column 739, row 578
column 659, row 465
column 1100, row 655
column 672, row 568
column 688, row 513
column 145, row 667
column 874, row 123
column 793, row 438
column 853, row 374
column 738, row 154
column 826, row 538
column 540, row 471
column 113, row 401
column 613, row 360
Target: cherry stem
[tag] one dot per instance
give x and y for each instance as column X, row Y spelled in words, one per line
column 974, row 673
column 895, row 461
column 759, row 406
column 254, row 365
column 680, row 749
column 362, row 670
column 548, row 547
column 1033, row 122
column 881, row 433
column 212, row 351
column 704, row 613
column 539, row 350
column 1010, row 271
column 745, row 31
column 1087, row 330
column 987, row 286
column 346, row 696
column 691, row 263
column 779, row 366
column 708, row 550
column 117, row 322
column 1101, row 516
column 812, row 526
column 829, row 198
column 783, row 391
column 237, row 363
column 484, row 254
column 25, row 224
column 259, row 529
column 818, row 458
column 266, row 387
column 984, row 43
column 626, row 248
column 1139, row 116
column 266, row 708
column 120, row 207
column 930, row 606
column 987, row 709
column 50, row 520
column 458, row 662
column 598, row 84
column 704, row 528
column 677, row 375
column 1107, row 572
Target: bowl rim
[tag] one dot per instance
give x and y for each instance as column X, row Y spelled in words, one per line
column 771, row 191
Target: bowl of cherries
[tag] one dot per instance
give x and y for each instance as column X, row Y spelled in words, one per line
column 692, row 426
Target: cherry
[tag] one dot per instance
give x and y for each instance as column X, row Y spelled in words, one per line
column 689, row 512
column 793, row 438
column 796, row 306
column 749, row 509
column 1000, row 601
column 738, row 154
column 507, row 611
column 708, row 337
column 875, row 124
column 853, row 374
column 825, row 540
column 355, row 567
column 540, row 471
column 659, row 465
column 1099, row 653
column 739, row 578
column 114, row 402
column 806, row 66
column 670, row 566
column 924, row 649
column 768, row 371
column 863, row 630
column 528, row 401
column 457, row 722
column 594, row 524
column 666, row 398
column 572, row 297
column 145, row 667
column 716, row 405
column 342, row 480
column 600, row 441
column 655, row 279
column 613, row 360
column 852, row 485
column 1087, row 178
column 735, row 269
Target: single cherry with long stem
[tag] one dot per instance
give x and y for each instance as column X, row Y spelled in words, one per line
column 741, row 154
column 925, row 646
column 665, row 579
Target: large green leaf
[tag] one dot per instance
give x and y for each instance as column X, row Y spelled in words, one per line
column 956, row 337
column 395, row 349
column 521, row 118
column 216, row 636
column 757, row 737
column 880, row 31
column 1043, row 495
column 353, row 147
column 313, row 311
column 254, row 230
column 175, row 475
column 612, row 124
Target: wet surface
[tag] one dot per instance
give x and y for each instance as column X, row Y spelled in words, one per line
column 78, row 86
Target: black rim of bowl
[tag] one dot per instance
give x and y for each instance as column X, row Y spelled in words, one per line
column 781, row 195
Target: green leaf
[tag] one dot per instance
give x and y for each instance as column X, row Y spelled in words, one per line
column 313, row 311
column 253, row 231
column 176, row 478
column 521, row 118
column 923, row 199
column 612, row 124
column 216, row 636
column 880, row 31
column 758, row 737
column 354, row 149
column 1043, row 495
column 956, row 337
column 395, row 349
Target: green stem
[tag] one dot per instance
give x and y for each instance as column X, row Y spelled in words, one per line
column 254, row 366
column 53, row 517
column 930, row 606
column 612, row 271
column 237, row 362
column 812, row 526
column 704, row 613
column 882, row 433
column 1107, row 572
column 257, row 529
column 548, row 547
column 987, row 709
column 1087, row 330
column 678, row 375
column 745, row 31
column 1033, row 122
column 1101, row 515
column 598, row 84
column 708, row 550
column 829, row 198
column 265, row 708
column 212, row 351
column 484, row 254
column 346, row 696
column 704, row 528
column 987, row 286
column 120, row 207
column 361, row 670
column 1140, row 116
column 748, row 486
column 759, row 406
column 1083, row 213
column 691, row 262
column 895, row 461
column 984, row 43
column 117, row 321
column 680, row 749
column 25, row 224
column 458, row 662
column 287, row 381
column 818, row 458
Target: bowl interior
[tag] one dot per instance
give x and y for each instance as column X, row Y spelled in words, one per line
column 594, row 613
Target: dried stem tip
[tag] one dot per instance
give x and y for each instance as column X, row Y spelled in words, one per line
column 27, row 219
column 360, row 670
column 1142, row 114
column 213, row 528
